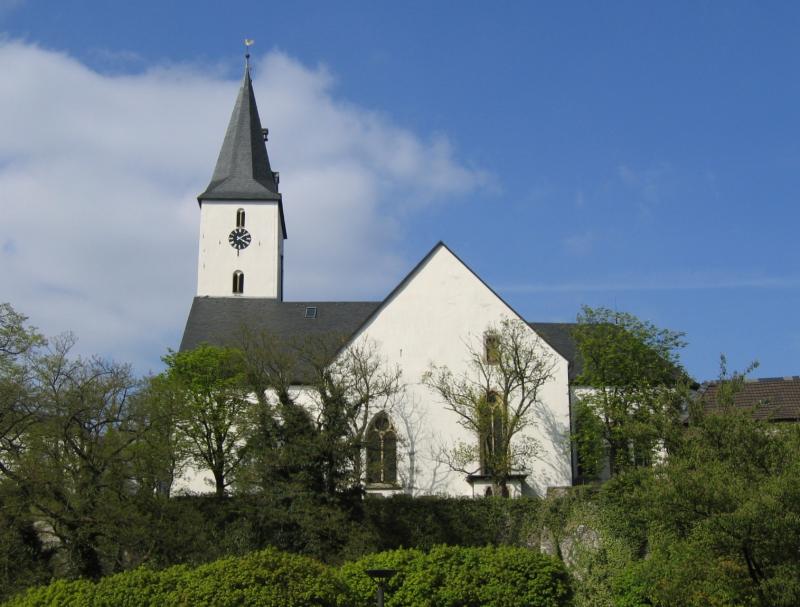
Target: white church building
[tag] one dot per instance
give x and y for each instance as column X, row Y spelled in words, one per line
column 430, row 318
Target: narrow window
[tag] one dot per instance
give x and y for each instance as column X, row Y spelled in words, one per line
column 238, row 282
column 240, row 218
column 381, row 451
column 491, row 433
column 491, row 348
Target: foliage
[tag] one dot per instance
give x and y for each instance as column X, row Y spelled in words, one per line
column 445, row 576
column 24, row 559
column 215, row 412
column 72, row 462
column 463, row 577
column 716, row 523
column 312, row 441
column 633, row 386
column 731, row 492
column 495, row 399
column 266, row 578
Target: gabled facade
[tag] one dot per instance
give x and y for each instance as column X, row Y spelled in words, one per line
column 431, row 318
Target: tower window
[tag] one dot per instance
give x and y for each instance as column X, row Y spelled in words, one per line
column 240, row 218
column 238, row 282
column 311, row 312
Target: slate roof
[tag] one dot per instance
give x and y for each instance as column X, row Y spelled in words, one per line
column 220, row 320
column 772, row 398
column 243, row 171
column 559, row 336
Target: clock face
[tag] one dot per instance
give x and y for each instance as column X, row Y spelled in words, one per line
column 239, row 238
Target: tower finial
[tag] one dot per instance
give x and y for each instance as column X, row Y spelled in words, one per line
column 247, row 44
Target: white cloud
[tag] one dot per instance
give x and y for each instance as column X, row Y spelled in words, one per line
column 98, row 178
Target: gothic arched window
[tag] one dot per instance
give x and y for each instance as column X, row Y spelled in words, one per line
column 381, row 441
column 238, row 282
column 240, row 218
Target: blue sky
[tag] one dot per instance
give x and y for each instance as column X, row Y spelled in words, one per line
column 635, row 155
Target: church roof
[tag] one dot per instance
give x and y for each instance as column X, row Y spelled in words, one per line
column 559, row 336
column 220, row 321
column 243, row 171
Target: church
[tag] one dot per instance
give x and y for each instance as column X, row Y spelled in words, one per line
column 438, row 314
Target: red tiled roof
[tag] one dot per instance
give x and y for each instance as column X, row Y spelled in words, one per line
column 773, row 399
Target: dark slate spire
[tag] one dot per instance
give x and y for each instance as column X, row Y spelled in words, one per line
column 243, row 171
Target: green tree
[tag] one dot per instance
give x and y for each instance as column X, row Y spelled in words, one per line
column 19, row 343
column 281, row 452
column 71, row 463
column 731, row 492
column 495, row 399
column 316, row 399
column 348, row 390
column 631, row 390
column 215, row 414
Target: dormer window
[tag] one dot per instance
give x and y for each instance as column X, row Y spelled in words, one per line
column 238, row 282
column 240, row 218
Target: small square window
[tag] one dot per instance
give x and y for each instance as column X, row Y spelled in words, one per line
column 311, row 312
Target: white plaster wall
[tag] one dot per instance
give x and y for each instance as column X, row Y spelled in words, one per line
column 431, row 319
column 218, row 260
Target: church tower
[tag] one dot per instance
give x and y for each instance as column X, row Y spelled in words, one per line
column 242, row 227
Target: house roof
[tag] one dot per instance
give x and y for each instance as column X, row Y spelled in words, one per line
column 243, row 171
column 771, row 398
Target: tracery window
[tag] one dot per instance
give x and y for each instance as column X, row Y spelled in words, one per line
column 381, row 443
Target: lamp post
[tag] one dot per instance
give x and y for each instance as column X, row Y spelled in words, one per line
column 380, row 577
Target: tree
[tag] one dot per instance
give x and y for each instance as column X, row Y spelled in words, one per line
column 631, row 403
column 215, row 413
column 316, row 398
column 494, row 399
column 71, row 464
column 731, row 491
column 18, row 343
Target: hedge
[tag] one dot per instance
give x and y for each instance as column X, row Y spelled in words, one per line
column 446, row 576
column 452, row 576
column 267, row 578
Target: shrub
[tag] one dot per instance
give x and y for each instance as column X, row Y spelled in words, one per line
column 450, row 576
column 267, row 578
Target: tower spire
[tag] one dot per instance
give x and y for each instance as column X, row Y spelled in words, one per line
column 243, row 170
